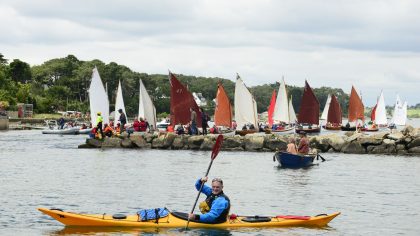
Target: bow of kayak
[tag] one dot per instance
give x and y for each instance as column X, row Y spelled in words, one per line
column 176, row 220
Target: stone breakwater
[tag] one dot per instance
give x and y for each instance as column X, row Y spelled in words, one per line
column 404, row 142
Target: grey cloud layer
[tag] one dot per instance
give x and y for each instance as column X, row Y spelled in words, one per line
column 332, row 42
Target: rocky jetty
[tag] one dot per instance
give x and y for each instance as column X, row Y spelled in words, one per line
column 404, row 142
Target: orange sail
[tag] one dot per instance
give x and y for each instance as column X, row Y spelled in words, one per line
column 271, row 108
column 181, row 102
column 334, row 112
column 223, row 111
column 356, row 107
column 309, row 107
column 372, row 115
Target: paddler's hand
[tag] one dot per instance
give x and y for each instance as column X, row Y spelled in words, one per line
column 204, row 179
column 191, row 216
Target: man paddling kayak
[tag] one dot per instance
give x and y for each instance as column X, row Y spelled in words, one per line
column 216, row 207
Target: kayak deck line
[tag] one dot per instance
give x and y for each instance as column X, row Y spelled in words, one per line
column 173, row 220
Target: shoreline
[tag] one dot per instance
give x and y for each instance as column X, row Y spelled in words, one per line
column 404, row 142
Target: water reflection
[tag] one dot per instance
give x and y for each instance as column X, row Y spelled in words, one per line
column 137, row 231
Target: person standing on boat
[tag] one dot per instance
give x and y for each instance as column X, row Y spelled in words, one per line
column 303, row 147
column 193, row 121
column 122, row 119
column 216, row 207
column 291, row 147
column 61, row 123
column 204, row 119
column 99, row 121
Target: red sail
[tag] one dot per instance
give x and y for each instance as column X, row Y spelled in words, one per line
column 223, row 111
column 181, row 101
column 356, row 107
column 334, row 112
column 271, row 108
column 372, row 115
column 309, row 107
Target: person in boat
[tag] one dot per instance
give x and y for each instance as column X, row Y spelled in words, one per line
column 251, row 126
column 291, row 147
column 170, row 129
column 214, row 130
column 108, row 131
column 93, row 133
column 99, row 121
column 348, row 125
column 61, row 123
column 118, row 129
column 193, row 122
column 143, row 125
column 147, row 124
column 244, row 127
column 83, row 126
column 204, row 119
column 303, row 147
column 136, row 124
column 215, row 209
column 180, row 129
column 122, row 119
column 234, row 125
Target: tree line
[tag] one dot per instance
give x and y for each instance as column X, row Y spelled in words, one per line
column 62, row 84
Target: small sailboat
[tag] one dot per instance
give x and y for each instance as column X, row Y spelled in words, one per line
column 378, row 116
column 181, row 102
column 146, row 108
column 245, row 109
column 282, row 111
column 308, row 118
column 399, row 116
column 356, row 111
column 119, row 104
column 98, row 98
column 334, row 117
column 223, row 112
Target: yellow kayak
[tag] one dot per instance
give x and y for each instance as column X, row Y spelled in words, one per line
column 178, row 220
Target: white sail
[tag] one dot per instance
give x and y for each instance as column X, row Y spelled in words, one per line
column 380, row 113
column 119, row 104
column 146, row 108
column 400, row 112
column 98, row 99
column 324, row 115
column 245, row 106
column 292, row 114
column 281, row 110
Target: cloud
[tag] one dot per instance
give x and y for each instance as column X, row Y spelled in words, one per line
column 371, row 44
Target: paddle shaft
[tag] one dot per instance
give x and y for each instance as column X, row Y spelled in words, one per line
column 199, row 192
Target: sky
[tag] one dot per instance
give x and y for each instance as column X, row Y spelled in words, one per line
column 373, row 45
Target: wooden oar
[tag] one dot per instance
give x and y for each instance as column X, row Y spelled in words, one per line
column 215, row 151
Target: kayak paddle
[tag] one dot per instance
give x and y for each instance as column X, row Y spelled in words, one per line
column 215, row 151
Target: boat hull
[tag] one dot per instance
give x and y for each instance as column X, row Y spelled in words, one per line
column 307, row 130
column 289, row 160
column 344, row 128
column 332, row 127
column 173, row 221
column 286, row 129
column 245, row 132
column 70, row 131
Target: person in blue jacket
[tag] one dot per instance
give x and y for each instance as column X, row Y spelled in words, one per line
column 216, row 207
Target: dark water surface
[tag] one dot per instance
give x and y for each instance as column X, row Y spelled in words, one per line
column 377, row 195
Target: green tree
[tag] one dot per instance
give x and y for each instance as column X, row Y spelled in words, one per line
column 20, row 71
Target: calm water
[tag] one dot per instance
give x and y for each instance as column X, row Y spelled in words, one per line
column 377, row 195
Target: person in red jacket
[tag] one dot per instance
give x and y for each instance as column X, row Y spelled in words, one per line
column 143, row 125
column 136, row 125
